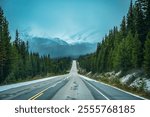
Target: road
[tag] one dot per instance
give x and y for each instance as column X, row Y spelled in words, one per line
column 71, row 86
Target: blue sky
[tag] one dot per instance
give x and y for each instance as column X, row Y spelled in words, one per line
column 70, row 20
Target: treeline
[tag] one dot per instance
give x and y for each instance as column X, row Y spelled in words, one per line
column 125, row 48
column 17, row 63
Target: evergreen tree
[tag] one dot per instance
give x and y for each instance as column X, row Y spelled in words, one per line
column 140, row 24
column 14, row 74
column 123, row 27
column 136, row 52
column 147, row 13
column 2, row 51
column 124, row 54
column 147, row 55
column 130, row 19
column 17, row 41
column 5, row 48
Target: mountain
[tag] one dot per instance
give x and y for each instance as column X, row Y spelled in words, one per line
column 58, row 48
column 46, row 41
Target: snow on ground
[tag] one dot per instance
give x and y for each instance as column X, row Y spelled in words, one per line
column 127, row 78
column 137, row 83
column 141, row 83
column 89, row 73
column 110, row 73
column 132, row 80
column 118, row 73
column 147, row 85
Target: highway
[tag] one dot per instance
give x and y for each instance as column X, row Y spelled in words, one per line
column 71, row 86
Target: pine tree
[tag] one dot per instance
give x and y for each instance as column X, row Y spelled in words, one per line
column 2, row 51
column 123, row 58
column 17, row 41
column 129, row 48
column 147, row 55
column 130, row 19
column 140, row 24
column 136, row 52
column 147, row 13
column 5, row 48
column 14, row 74
column 120, row 61
column 123, row 27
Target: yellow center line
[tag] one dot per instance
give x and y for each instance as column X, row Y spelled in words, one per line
column 33, row 96
column 42, row 92
column 37, row 96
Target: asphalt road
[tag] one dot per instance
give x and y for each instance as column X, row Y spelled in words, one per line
column 71, row 86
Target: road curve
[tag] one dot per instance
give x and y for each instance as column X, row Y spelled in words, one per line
column 71, row 86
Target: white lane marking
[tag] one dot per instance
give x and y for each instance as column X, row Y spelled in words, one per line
column 98, row 91
column 42, row 92
column 113, row 87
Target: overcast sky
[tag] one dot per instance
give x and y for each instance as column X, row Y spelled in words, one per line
column 70, row 20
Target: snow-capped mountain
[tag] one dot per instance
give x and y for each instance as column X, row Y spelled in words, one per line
column 58, row 48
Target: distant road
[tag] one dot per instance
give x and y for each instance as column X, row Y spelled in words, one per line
column 71, row 86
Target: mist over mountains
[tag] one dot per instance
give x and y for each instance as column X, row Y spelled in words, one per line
column 58, row 48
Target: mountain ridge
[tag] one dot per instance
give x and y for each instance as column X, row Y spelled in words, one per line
column 57, row 47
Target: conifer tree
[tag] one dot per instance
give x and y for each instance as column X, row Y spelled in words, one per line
column 130, row 19
column 140, row 24
column 123, row 27
column 2, row 52
column 136, row 52
column 147, row 13
column 5, row 48
column 147, row 55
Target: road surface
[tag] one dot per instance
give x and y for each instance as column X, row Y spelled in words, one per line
column 71, row 86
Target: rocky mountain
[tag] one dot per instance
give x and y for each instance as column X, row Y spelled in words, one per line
column 58, row 48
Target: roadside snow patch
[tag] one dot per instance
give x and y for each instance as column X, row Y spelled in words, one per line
column 147, row 85
column 137, row 83
column 110, row 73
column 128, row 78
column 118, row 73
column 89, row 73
